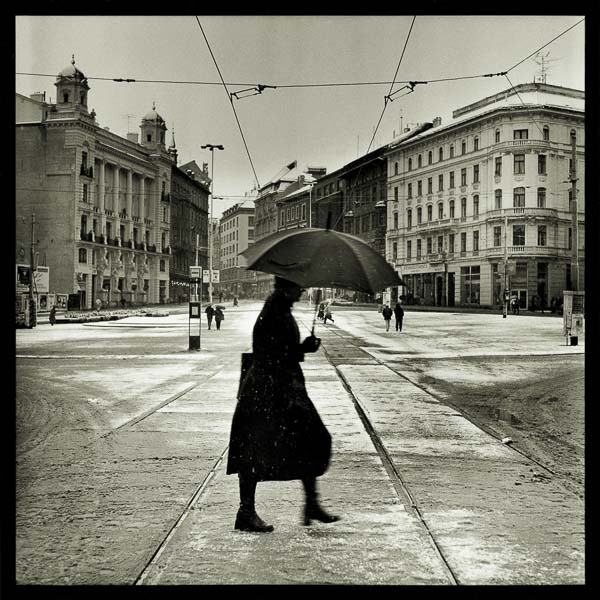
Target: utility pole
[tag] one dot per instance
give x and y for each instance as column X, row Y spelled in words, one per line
column 575, row 223
column 505, row 291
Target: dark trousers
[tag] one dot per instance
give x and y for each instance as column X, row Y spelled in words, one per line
column 399, row 324
column 210, row 322
column 218, row 323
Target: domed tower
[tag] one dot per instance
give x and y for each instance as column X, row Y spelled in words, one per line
column 153, row 130
column 71, row 88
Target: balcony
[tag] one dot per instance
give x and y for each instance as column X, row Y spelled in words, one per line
column 147, row 221
column 526, row 251
column 166, row 250
column 86, row 171
column 519, row 212
column 109, row 212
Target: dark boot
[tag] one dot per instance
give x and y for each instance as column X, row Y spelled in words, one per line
column 247, row 519
column 312, row 509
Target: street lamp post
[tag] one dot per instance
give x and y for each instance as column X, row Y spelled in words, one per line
column 211, row 147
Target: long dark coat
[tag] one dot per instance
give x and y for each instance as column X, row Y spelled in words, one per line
column 276, row 432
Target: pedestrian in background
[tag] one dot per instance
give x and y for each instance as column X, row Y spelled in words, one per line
column 98, row 304
column 219, row 316
column 387, row 316
column 235, row 300
column 321, row 313
column 328, row 314
column 276, row 431
column 399, row 315
column 53, row 315
column 210, row 313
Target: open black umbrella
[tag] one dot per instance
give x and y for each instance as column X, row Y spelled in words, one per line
column 322, row 258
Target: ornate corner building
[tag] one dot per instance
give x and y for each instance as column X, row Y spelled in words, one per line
column 486, row 202
column 101, row 201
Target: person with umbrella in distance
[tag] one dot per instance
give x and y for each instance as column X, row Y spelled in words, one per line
column 399, row 314
column 210, row 313
column 276, row 431
column 219, row 315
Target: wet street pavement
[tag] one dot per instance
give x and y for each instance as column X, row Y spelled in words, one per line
column 122, row 438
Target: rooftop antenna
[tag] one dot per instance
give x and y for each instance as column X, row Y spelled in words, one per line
column 128, row 117
column 542, row 60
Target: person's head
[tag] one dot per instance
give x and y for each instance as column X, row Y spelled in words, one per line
column 292, row 290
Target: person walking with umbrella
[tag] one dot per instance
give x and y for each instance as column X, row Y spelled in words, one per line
column 276, row 431
column 387, row 316
column 219, row 315
column 399, row 315
column 210, row 313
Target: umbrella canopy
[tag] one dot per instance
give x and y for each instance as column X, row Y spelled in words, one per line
column 220, row 306
column 322, row 258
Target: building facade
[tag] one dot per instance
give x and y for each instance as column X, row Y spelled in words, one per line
column 236, row 233
column 98, row 199
column 484, row 203
column 188, row 202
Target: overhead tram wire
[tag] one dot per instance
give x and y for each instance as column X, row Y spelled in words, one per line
column 230, row 102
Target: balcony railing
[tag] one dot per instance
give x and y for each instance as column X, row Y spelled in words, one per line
column 86, row 171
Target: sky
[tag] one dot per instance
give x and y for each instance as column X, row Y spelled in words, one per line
column 317, row 125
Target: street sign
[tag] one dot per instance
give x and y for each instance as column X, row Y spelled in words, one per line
column 195, row 272
column 216, row 276
column 206, row 276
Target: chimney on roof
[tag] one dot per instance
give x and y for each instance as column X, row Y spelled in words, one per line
column 437, row 121
column 132, row 137
column 39, row 96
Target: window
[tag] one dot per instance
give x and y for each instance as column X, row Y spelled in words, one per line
column 463, row 208
column 475, row 241
column 519, row 197
column 429, row 212
column 497, row 236
column 451, row 179
column 520, row 134
column 84, row 157
column 395, row 194
column 149, row 137
column 498, row 199
column 429, row 157
column 546, row 132
column 395, row 220
column 419, row 188
column 498, row 166
column 451, row 150
column 541, row 197
column 518, row 235
column 408, row 249
column 441, row 210
column 476, row 144
column 394, row 251
column 451, row 243
column 395, row 168
column 303, row 213
column 409, row 190
column 418, row 248
column 463, row 177
column 82, row 255
column 409, row 218
column 282, row 217
column 470, row 283
column 463, row 241
column 475, row 206
column 441, row 154
column 440, row 243
column 463, row 147
column 475, row 173
column 541, row 235
column 162, row 265
column 419, row 215
column 452, row 209
column 84, row 194
column 430, row 185
column 440, row 182
column 420, row 160
column 570, row 238
column 519, row 164
column 429, row 245
column 542, row 164
column 410, row 164
column 570, row 200
column 497, row 136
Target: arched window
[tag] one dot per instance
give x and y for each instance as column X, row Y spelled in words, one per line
column 498, row 199
column 463, row 147
column 420, row 160
column 441, row 154
column 497, row 136
column 475, row 205
column 395, row 220
column 410, row 164
column 441, row 210
column 419, row 215
column 451, row 205
column 395, row 168
column 519, row 197
column 451, row 150
column 429, row 157
column 409, row 218
column 476, row 143
column 546, row 131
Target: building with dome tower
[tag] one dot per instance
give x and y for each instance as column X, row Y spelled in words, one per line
column 101, row 201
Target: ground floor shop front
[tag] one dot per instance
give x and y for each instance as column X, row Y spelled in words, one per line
column 535, row 283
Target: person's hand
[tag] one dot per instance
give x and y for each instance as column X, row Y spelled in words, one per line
column 311, row 344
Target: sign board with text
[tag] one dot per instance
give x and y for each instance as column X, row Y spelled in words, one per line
column 195, row 272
